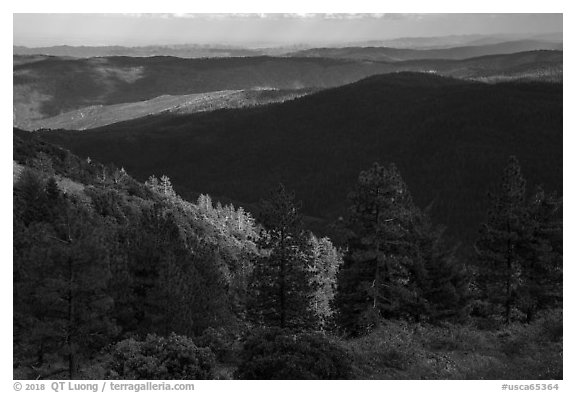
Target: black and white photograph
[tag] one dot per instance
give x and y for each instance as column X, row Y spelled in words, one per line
column 286, row 196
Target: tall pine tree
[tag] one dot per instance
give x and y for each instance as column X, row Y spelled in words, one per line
column 541, row 280
column 444, row 281
column 502, row 238
column 396, row 264
column 325, row 263
column 61, row 286
column 282, row 288
column 374, row 281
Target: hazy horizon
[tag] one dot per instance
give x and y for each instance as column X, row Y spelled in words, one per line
column 40, row 30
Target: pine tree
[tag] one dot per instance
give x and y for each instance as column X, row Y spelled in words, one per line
column 152, row 183
column 119, row 175
column 30, row 201
column 281, row 285
column 326, row 261
column 166, row 186
column 520, row 249
column 62, row 290
column 175, row 280
column 375, row 279
column 541, row 281
column 445, row 282
column 501, row 241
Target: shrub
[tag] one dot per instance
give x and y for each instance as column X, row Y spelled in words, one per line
column 394, row 344
column 451, row 337
column 173, row 357
column 219, row 340
column 519, row 339
column 281, row 354
column 551, row 325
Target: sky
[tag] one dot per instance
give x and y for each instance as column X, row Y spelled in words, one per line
column 36, row 30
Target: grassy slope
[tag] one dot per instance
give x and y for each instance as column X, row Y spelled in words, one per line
column 102, row 115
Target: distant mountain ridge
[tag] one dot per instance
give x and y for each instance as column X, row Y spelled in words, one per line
column 223, row 50
column 51, row 86
column 186, row 51
column 453, row 53
column 452, row 41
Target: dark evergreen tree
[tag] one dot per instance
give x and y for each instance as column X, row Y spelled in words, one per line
column 30, row 199
column 62, row 288
column 375, row 279
column 282, row 289
column 502, row 238
column 444, row 283
column 520, row 249
column 541, row 281
column 174, row 282
column 396, row 264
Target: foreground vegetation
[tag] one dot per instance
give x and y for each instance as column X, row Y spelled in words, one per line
column 118, row 279
column 396, row 350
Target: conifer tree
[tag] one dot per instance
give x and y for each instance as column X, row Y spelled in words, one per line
column 281, row 285
column 30, row 200
column 166, row 186
column 520, row 249
column 62, row 290
column 326, row 261
column 152, row 183
column 445, row 282
column 375, row 279
column 502, row 237
column 541, row 263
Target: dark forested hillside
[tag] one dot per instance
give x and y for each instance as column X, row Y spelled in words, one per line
column 449, row 138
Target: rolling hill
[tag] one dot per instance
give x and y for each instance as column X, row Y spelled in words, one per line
column 453, row 41
column 48, row 87
column 450, row 139
column 455, row 53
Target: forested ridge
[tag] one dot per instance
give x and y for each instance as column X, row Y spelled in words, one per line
column 449, row 138
column 121, row 279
